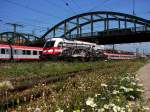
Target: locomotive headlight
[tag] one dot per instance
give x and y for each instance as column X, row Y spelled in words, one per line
column 57, row 50
column 51, row 50
column 44, row 51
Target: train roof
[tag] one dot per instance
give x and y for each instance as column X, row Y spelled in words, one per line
column 20, row 47
column 70, row 41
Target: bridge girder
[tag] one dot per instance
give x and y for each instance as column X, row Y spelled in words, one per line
column 91, row 18
column 19, row 37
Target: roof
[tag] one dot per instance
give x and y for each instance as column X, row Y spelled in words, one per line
column 20, row 47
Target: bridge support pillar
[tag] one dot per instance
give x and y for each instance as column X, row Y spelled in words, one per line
column 119, row 24
column 65, row 28
column 78, row 26
column 135, row 25
column 145, row 27
column 91, row 25
column 54, row 32
column 125, row 23
column 80, row 31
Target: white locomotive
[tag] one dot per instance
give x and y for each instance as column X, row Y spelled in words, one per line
column 69, row 49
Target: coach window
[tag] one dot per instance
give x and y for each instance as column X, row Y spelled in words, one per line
column 60, row 44
column 23, row 52
column 2, row 51
column 7, row 51
column 15, row 52
column 28, row 52
column 40, row 52
column 34, row 52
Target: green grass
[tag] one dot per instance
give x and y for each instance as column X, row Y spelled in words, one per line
column 13, row 70
column 72, row 93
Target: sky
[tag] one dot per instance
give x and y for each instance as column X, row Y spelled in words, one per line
column 37, row 16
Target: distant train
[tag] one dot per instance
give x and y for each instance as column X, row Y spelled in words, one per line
column 118, row 55
column 61, row 48
column 14, row 52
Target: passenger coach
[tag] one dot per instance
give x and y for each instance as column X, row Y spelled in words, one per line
column 19, row 52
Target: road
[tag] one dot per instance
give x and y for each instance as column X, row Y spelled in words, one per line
column 144, row 75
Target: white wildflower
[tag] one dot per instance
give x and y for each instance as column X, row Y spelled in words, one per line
column 6, row 85
column 101, row 110
column 76, row 111
column 126, row 78
column 111, row 105
column 140, row 85
column 116, row 109
column 146, row 108
column 130, row 89
column 37, row 109
column 90, row 102
column 82, row 110
column 104, row 85
column 115, row 92
column 106, row 106
column 59, row 110
column 132, row 97
column 124, row 88
column 96, row 95
column 103, row 98
column 137, row 79
column 29, row 109
column 122, row 109
column 140, row 90
column 133, row 83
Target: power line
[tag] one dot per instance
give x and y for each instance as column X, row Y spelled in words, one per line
column 27, row 23
column 14, row 25
column 28, row 20
column 133, row 6
column 98, row 5
column 75, row 3
column 32, row 9
column 67, row 4
column 59, row 6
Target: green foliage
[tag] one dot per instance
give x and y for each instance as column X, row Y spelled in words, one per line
column 102, row 85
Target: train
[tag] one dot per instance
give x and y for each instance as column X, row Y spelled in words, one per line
column 14, row 52
column 111, row 54
column 63, row 49
column 60, row 48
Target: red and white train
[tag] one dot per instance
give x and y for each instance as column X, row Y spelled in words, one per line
column 63, row 48
column 59, row 47
column 14, row 52
column 118, row 54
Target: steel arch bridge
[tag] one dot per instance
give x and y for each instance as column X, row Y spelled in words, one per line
column 102, row 27
column 17, row 38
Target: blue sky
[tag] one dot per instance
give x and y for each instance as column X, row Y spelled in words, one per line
column 39, row 15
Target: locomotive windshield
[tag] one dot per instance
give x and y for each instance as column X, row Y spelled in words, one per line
column 50, row 44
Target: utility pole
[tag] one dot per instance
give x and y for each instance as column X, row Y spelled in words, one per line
column 133, row 6
column 10, row 41
column 14, row 25
column 113, row 46
column 0, row 20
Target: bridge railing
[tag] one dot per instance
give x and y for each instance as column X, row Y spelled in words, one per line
column 112, row 32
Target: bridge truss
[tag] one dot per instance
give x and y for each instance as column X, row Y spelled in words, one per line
column 103, row 27
column 17, row 38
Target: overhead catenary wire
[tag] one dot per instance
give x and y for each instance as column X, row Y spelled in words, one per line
column 26, row 24
column 68, row 5
column 34, row 10
column 59, row 6
column 97, row 5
